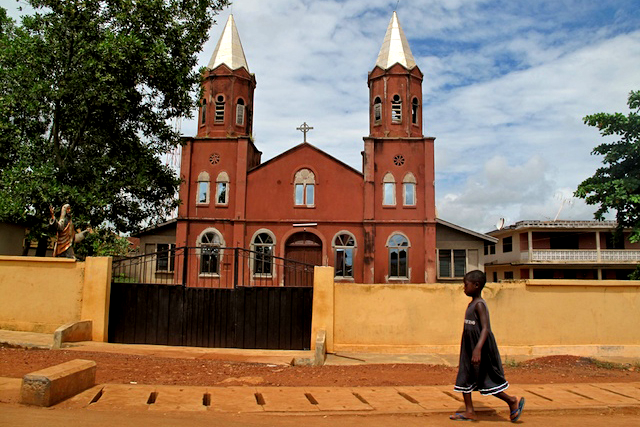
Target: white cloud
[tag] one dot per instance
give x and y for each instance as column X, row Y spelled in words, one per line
column 506, row 85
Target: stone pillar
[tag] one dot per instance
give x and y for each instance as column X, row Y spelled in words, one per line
column 323, row 305
column 96, row 293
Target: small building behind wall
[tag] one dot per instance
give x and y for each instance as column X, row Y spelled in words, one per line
column 459, row 250
column 561, row 250
column 11, row 239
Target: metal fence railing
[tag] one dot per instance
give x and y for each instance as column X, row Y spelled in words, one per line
column 212, row 267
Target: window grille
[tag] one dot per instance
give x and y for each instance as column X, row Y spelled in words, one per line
column 398, row 257
column 304, row 188
column 344, row 245
column 396, row 109
column 219, row 115
column 240, row 112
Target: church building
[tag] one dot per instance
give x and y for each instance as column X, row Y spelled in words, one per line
column 377, row 225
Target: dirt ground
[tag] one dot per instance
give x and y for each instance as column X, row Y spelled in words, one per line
column 124, row 369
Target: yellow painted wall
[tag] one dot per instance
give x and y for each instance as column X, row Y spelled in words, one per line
column 555, row 314
column 41, row 294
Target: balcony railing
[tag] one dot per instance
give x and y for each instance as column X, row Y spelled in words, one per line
column 582, row 255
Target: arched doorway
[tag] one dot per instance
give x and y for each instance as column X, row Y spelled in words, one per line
column 306, row 248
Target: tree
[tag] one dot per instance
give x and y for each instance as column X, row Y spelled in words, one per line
column 616, row 185
column 88, row 93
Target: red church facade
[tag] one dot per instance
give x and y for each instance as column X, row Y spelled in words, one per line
column 374, row 226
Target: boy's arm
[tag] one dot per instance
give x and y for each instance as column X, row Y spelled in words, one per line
column 481, row 309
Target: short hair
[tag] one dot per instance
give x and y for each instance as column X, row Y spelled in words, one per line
column 476, row 276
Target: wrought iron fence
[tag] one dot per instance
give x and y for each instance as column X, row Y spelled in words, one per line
column 212, row 267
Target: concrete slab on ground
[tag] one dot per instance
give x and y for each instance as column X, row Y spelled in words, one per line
column 336, row 399
column 26, row 339
column 285, row 399
column 381, row 400
column 234, row 399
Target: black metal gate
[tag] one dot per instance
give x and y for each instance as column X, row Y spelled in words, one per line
column 251, row 313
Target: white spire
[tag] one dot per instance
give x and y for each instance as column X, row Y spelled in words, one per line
column 395, row 47
column 229, row 49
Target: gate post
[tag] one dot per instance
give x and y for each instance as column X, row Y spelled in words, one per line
column 323, row 317
column 185, row 265
column 235, row 268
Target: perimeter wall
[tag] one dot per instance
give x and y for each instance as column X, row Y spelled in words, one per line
column 41, row 294
column 532, row 317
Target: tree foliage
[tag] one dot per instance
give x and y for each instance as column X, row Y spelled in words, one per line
column 616, row 185
column 88, row 93
column 103, row 242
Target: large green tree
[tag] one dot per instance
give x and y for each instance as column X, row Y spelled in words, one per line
column 616, row 185
column 89, row 90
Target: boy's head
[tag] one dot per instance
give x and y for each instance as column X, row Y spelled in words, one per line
column 476, row 277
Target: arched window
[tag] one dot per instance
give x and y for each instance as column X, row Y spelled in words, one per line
column 304, row 188
column 396, row 109
column 263, row 244
column 240, row 112
column 202, row 197
column 388, row 190
column 219, row 117
column 409, row 190
column 222, row 189
column 344, row 244
column 377, row 110
column 204, row 111
column 210, row 243
column 398, row 256
column 414, row 111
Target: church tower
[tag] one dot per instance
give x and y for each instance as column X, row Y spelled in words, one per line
column 398, row 160
column 395, row 88
column 226, row 107
column 215, row 162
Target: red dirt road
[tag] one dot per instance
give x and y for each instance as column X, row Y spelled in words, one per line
column 123, row 369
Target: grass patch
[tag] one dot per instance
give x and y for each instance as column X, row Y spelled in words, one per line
column 608, row 365
column 511, row 363
column 121, row 278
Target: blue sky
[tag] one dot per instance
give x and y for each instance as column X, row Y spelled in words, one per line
column 506, row 85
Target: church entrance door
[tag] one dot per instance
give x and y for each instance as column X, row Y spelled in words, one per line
column 304, row 247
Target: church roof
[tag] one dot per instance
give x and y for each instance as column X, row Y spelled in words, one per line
column 395, row 47
column 229, row 51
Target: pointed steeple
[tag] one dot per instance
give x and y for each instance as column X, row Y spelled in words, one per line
column 229, row 49
column 395, row 47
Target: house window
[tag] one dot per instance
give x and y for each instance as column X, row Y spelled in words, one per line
column 409, row 190
column 240, row 112
column 388, row 190
column 396, row 109
column 377, row 110
column 452, row 263
column 222, row 189
column 304, row 188
column 414, row 111
column 204, row 110
column 166, row 257
column 344, row 244
column 508, row 275
column 263, row 260
column 614, row 240
column 489, row 248
column 219, row 116
column 398, row 257
column 210, row 243
column 203, row 188
column 507, row 244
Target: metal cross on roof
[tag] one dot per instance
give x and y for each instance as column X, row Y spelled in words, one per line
column 304, row 128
